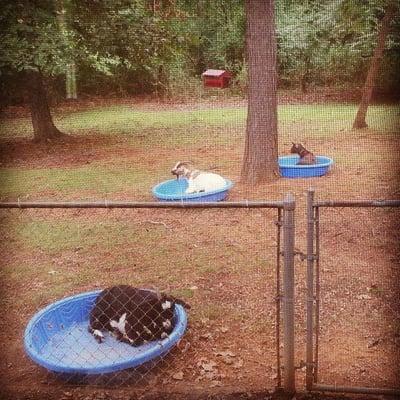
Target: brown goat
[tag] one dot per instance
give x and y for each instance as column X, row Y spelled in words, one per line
column 306, row 157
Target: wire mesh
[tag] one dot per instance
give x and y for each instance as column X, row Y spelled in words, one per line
column 224, row 270
column 356, row 310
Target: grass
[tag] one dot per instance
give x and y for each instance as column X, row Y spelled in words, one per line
column 22, row 181
column 123, row 120
column 46, row 284
column 65, row 254
column 195, row 133
column 57, row 236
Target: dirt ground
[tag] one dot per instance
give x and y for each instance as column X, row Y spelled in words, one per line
column 229, row 351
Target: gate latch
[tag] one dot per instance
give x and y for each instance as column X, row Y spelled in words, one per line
column 300, row 254
column 302, row 365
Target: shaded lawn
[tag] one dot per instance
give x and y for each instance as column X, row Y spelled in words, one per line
column 117, row 120
column 142, row 146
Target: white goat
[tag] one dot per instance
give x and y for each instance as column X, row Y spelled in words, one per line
column 198, row 181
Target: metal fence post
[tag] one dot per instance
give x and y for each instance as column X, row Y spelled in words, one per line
column 288, row 293
column 310, row 290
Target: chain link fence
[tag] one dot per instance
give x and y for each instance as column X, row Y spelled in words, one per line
column 352, row 322
column 178, row 300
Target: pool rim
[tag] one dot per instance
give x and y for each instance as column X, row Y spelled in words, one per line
column 159, row 348
column 329, row 162
column 228, row 186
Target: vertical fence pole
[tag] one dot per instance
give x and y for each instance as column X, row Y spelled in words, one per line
column 288, row 293
column 317, row 294
column 310, row 289
column 278, row 299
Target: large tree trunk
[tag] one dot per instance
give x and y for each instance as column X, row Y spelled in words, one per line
column 359, row 121
column 261, row 148
column 43, row 126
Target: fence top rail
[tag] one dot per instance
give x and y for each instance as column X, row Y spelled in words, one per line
column 141, row 204
column 357, row 203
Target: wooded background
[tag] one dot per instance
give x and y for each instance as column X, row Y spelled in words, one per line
column 160, row 47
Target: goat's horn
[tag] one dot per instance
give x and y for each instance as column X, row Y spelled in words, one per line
column 158, row 293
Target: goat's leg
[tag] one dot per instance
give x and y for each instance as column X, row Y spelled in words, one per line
column 98, row 335
column 191, row 188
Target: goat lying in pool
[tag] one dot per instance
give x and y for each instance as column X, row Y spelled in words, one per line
column 133, row 315
column 306, row 157
column 198, row 181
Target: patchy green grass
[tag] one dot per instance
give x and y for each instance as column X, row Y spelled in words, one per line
column 22, row 181
column 64, row 254
column 123, row 120
column 54, row 237
column 127, row 121
column 206, row 135
column 43, row 280
column 330, row 120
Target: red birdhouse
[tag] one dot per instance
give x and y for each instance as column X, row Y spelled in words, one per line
column 217, row 78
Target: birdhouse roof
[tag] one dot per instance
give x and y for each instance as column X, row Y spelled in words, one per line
column 215, row 72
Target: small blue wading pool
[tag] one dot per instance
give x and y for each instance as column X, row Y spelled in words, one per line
column 289, row 169
column 57, row 338
column 174, row 190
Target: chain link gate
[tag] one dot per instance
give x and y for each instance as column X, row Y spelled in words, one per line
column 284, row 294
column 314, row 299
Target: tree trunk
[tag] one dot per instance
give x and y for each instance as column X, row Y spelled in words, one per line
column 261, row 148
column 43, row 126
column 359, row 121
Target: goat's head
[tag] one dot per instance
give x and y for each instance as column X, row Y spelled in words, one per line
column 181, row 168
column 297, row 148
column 167, row 310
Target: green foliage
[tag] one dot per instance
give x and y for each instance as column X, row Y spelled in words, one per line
column 30, row 37
column 127, row 47
column 324, row 42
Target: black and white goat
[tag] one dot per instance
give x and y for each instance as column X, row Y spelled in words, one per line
column 133, row 315
column 306, row 157
column 198, row 181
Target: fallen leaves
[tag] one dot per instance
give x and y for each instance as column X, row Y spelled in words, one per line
column 206, row 365
column 226, row 356
column 178, row 376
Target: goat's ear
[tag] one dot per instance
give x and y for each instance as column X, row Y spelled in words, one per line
column 183, row 303
column 293, row 143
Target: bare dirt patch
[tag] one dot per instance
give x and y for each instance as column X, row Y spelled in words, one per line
column 66, row 152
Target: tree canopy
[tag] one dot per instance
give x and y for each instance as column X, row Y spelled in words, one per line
column 140, row 46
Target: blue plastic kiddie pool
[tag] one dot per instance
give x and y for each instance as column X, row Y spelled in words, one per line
column 174, row 190
column 57, row 338
column 289, row 169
